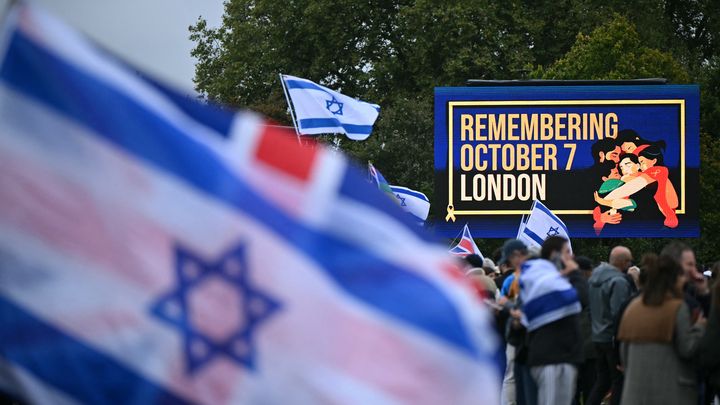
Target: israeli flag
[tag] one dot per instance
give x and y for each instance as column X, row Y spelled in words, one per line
column 540, row 225
column 414, row 202
column 545, row 294
column 320, row 110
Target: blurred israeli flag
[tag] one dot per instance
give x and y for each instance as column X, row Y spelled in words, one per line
column 414, row 202
column 320, row 110
column 540, row 225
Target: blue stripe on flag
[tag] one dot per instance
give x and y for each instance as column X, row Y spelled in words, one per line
column 122, row 121
column 534, row 236
column 402, row 190
column 209, row 114
column 546, row 210
column 60, row 360
column 549, row 302
column 301, row 84
column 310, row 123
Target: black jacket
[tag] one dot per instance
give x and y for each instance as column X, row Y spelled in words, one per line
column 560, row 341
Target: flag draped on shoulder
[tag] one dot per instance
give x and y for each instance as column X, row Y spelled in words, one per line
column 413, row 202
column 466, row 245
column 545, row 294
column 158, row 250
column 320, row 110
column 541, row 224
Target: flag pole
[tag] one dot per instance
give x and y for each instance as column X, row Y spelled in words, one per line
column 292, row 112
column 520, row 228
column 455, row 238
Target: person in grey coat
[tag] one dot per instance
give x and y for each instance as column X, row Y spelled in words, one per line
column 658, row 339
column 608, row 291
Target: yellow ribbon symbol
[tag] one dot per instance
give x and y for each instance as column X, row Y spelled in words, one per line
column 450, row 213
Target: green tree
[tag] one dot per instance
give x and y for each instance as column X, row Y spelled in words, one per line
column 614, row 51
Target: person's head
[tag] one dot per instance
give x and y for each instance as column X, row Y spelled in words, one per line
column 608, row 170
column 474, row 261
column 490, row 272
column 651, row 155
column 585, row 265
column 629, row 164
column 504, row 267
column 483, row 282
column 605, row 150
column 514, row 253
column 629, row 140
column 684, row 255
column 556, row 249
column 620, row 258
column 663, row 277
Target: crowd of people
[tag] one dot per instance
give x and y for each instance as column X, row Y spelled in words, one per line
column 615, row 333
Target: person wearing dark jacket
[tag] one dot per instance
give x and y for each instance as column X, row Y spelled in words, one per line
column 697, row 291
column 708, row 355
column 609, row 289
column 554, row 337
column 586, row 369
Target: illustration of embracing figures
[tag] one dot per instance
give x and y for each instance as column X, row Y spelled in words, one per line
column 635, row 182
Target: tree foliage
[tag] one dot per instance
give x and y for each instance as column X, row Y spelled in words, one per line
column 394, row 52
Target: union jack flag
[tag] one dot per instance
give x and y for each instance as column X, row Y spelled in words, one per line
column 466, row 245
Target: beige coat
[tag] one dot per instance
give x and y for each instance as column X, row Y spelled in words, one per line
column 662, row 373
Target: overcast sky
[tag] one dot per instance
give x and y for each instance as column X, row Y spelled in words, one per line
column 150, row 34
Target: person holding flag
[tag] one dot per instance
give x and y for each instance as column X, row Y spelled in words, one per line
column 551, row 302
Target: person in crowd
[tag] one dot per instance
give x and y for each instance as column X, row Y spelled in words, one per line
column 492, row 273
column 697, row 290
column 514, row 254
column 609, row 288
column 490, row 269
column 586, row 369
column 658, row 339
column 473, row 261
column 714, row 271
column 553, row 291
column 485, row 284
column 708, row 355
column 506, row 271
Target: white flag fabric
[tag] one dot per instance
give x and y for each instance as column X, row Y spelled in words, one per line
column 414, row 202
column 545, row 294
column 320, row 110
column 540, row 225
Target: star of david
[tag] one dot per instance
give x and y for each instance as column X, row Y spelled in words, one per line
column 334, row 106
column 553, row 231
column 215, row 307
column 401, row 199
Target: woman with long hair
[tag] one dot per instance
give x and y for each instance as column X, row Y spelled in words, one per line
column 650, row 159
column 658, row 339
